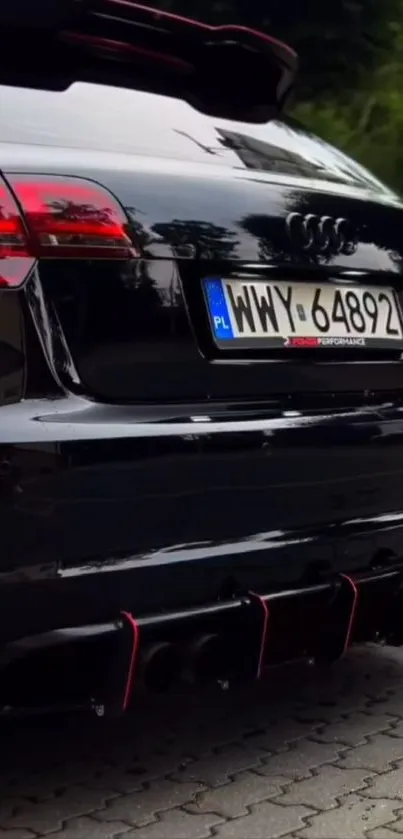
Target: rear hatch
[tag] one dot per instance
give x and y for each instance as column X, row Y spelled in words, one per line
column 183, row 241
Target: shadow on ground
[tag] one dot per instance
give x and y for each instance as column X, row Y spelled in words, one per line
column 165, row 736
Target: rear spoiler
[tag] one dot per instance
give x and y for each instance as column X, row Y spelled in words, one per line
column 226, row 71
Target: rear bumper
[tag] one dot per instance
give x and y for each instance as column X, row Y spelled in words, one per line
column 101, row 666
column 128, row 522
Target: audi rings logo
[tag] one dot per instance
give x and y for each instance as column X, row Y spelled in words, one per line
column 321, row 234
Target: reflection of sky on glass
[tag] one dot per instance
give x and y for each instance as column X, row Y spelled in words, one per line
column 105, row 118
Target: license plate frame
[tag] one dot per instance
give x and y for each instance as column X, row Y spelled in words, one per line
column 220, row 305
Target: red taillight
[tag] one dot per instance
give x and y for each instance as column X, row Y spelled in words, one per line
column 58, row 217
column 15, row 260
column 72, row 217
column 12, row 234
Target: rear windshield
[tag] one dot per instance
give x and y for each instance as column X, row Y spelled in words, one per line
column 88, row 116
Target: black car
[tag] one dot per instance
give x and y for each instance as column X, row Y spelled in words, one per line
column 201, row 336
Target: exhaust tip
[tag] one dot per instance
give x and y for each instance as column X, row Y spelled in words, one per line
column 206, row 660
column 161, row 667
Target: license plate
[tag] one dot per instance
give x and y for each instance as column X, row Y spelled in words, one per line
column 302, row 315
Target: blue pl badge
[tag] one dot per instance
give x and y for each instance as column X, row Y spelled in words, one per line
column 218, row 309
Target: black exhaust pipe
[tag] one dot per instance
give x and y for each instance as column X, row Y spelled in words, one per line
column 160, row 667
column 206, row 660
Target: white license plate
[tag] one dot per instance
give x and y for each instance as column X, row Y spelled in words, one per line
column 297, row 314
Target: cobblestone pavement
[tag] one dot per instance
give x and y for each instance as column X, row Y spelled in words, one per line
column 310, row 754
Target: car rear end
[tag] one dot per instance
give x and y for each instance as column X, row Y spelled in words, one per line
column 201, row 412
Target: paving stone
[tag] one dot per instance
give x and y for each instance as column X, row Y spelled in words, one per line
column 398, row 825
column 325, row 713
column 233, row 799
column 216, row 768
column 130, row 779
column 391, row 705
column 397, row 730
column 356, row 728
column 322, row 790
column 42, row 785
column 351, row 820
column 192, row 738
column 252, row 754
column 298, row 761
column 266, row 820
column 382, row 833
column 142, row 807
column 283, row 732
column 388, row 785
column 89, row 828
column 177, row 824
column 9, row 805
column 376, row 755
column 47, row 816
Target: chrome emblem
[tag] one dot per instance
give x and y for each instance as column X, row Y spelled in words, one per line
column 321, row 234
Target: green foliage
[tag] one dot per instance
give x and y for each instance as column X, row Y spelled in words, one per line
column 369, row 123
column 350, row 90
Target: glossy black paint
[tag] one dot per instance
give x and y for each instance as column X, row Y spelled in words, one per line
column 140, row 468
column 217, row 643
